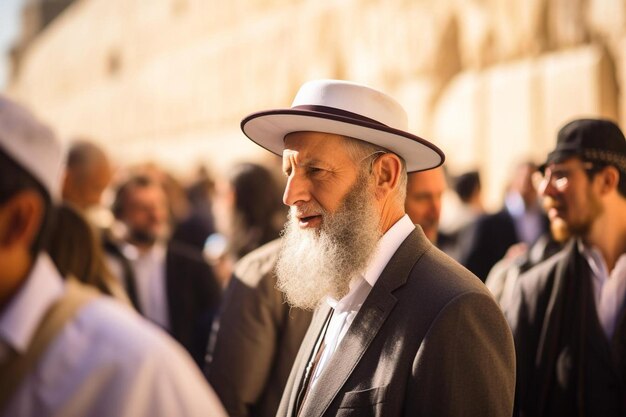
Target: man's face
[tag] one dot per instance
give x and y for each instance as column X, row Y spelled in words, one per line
column 145, row 214
column 423, row 199
column 320, row 172
column 569, row 198
column 333, row 226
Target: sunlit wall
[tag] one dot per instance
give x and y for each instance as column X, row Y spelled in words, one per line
column 488, row 81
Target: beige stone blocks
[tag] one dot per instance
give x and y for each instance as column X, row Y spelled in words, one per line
column 489, row 81
column 497, row 118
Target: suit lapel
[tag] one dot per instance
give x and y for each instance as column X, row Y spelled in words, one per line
column 304, row 354
column 366, row 325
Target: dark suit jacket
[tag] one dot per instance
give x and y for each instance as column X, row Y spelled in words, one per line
column 566, row 364
column 193, row 296
column 258, row 338
column 490, row 238
column 429, row 340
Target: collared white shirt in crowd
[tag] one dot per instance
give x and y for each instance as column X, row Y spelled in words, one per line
column 107, row 361
column 609, row 290
column 150, row 282
column 346, row 309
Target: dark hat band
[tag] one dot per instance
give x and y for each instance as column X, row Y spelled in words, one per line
column 337, row 112
column 607, row 157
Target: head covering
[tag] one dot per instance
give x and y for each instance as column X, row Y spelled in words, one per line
column 348, row 109
column 594, row 140
column 31, row 145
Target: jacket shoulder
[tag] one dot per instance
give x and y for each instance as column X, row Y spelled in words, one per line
column 252, row 268
column 538, row 277
column 447, row 276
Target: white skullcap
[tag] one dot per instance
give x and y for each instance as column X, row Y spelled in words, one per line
column 31, row 145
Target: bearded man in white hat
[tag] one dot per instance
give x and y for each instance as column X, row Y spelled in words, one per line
column 64, row 349
column 400, row 329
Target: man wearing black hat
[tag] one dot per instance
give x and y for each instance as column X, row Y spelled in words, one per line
column 399, row 329
column 567, row 314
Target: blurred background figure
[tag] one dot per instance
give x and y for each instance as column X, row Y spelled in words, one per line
column 256, row 339
column 423, row 200
column 64, row 348
column 459, row 213
column 248, row 213
column 172, row 284
column 198, row 225
column 87, row 175
column 521, row 220
column 76, row 251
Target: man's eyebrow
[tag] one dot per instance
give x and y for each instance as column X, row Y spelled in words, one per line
column 307, row 162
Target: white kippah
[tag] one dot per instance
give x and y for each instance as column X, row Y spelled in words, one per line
column 31, row 145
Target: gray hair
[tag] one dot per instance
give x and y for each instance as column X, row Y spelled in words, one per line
column 365, row 153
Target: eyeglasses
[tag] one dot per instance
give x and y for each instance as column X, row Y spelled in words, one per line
column 557, row 177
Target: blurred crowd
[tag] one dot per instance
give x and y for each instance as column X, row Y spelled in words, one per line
column 196, row 258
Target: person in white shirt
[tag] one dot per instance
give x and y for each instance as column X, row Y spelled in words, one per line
column 98, row 358
column 568, row 314
column 171, row 283
column 399, row 329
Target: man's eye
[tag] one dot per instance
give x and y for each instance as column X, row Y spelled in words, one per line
column 314, row 170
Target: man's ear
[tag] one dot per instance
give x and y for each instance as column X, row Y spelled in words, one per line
column 386, row 170
column 20, row 219
column 610, row 179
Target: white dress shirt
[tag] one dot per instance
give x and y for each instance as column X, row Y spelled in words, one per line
column 609, row 289
column 107, row 361
column 150, row 281
column 346, row 309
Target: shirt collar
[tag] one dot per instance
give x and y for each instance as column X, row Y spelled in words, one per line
column 596, row 262
column 363, row 283
column 156, row 252
column 25, row 311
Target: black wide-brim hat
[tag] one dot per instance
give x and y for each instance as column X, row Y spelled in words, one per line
column 595, row 140
column 348, row 109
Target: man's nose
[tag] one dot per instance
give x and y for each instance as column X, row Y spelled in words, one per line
column 296, row 190
column 546, row 188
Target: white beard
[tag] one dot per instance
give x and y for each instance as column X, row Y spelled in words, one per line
column 315, row 263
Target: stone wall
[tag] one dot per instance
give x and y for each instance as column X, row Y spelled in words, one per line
column 489, row 81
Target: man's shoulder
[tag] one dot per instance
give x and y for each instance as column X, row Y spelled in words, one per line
column 183, row 252
column 434, row 281
column 539, row 276
column 106, row 323
column 258, row 265
column 494, row 219
column 444, row 273
column 109, row 350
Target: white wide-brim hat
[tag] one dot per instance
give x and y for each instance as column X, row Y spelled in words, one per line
column 348, row 109
column 32, row 145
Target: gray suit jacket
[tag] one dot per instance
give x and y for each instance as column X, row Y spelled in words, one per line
column 428, row 341
column 257, row 338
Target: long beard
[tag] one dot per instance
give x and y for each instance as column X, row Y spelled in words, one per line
column 314, row 263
